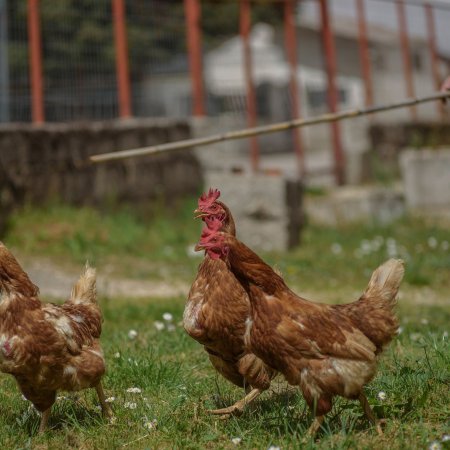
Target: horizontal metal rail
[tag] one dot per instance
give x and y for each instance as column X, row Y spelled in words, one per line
column 266, row 129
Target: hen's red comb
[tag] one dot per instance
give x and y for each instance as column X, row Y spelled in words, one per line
column 207, row 199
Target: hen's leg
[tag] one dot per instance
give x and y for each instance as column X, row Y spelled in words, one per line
column 314, row 428
column 44, row 420
column 238, row 408
column 101, row 396
column 369, row 413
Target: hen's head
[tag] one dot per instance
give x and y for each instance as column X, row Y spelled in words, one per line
column 213, row 240
column 210, row 208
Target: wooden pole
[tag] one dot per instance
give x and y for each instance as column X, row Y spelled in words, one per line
column 364, row 57
column 290, row 40
column 406, row 54
column 194, row 42
column 266, row 129
column 245, row 26
column 122, row 69
column 333, row 95
column 431, row 32
column 35, row 54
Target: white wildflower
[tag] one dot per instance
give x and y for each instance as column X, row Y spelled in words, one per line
column 134, row 390
column 130, row 405
column 167, row 317
column 151, row 424
column 435, row 445
column 446, row 438
column 110, row 399
column 432, row 242
column 171, row 327
column 382, row 396
column 336, row 248
column 117, row 355
column 236, row 440
column 159, row 325
column 132, row 334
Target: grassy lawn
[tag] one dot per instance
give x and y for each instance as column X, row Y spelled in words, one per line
column 172, row 372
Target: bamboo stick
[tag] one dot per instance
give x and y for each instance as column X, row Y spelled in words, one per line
column 265, row 129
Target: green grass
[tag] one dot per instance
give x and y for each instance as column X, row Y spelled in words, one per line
column 173, row 371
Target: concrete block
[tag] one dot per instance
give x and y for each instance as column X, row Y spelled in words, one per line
column 426, row 178
column 267, row 208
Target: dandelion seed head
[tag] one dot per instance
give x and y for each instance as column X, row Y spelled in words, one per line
column 134, row 390
column 151, row 424
column 130, row 405
column 435, row 445
column 167, row 317
column 132, row 334
column 382, row 396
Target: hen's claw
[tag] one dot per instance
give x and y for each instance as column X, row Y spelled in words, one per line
column 238, row 408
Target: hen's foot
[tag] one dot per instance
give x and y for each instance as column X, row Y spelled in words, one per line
column 315, row 426
column 238, row 408
column 106, row 409
column 44, row 420
column 370, row 414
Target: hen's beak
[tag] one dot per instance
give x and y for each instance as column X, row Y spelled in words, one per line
column 198, row 247
column 198, row 213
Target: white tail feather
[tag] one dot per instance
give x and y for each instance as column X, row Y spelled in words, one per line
column 386, row 280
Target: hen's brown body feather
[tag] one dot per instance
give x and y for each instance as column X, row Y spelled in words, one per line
column 327, row 350
column 48, row 347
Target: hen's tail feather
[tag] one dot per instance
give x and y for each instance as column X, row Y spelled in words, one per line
column 85, row 289
column 13, row 279
column 385, row 281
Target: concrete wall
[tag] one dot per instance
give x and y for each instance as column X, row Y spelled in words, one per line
column 50, row 162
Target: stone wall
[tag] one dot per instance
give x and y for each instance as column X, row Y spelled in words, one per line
column 49, row 162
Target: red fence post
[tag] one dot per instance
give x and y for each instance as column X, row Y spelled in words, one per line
column 290, row 41
column 194, row 42
column 35, row 55
column 245, row 25
column 406, row 55
column 122, row 70
column 333, row 99
column 431, row 31
column 364, row 57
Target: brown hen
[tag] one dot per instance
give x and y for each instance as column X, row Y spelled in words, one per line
column 216, row 312
column 48, row 347
column 326, row 350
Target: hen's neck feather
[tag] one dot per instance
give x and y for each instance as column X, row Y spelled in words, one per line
column 250, row 268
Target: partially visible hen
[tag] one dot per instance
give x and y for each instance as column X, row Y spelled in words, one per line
column 326, row 350
column 216, row 312
column 48, row 347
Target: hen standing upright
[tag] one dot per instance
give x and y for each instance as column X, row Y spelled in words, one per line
column 215, row 315
column 47, row 347
column 327, row 350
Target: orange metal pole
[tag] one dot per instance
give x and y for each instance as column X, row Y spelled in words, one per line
column 193, row 13
column 35, row 52
column 333, row 99
column 245, row 25
column 406, row 54
column 290, row 40
column 364, row 58
column 122, row 69
column 431, row 31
